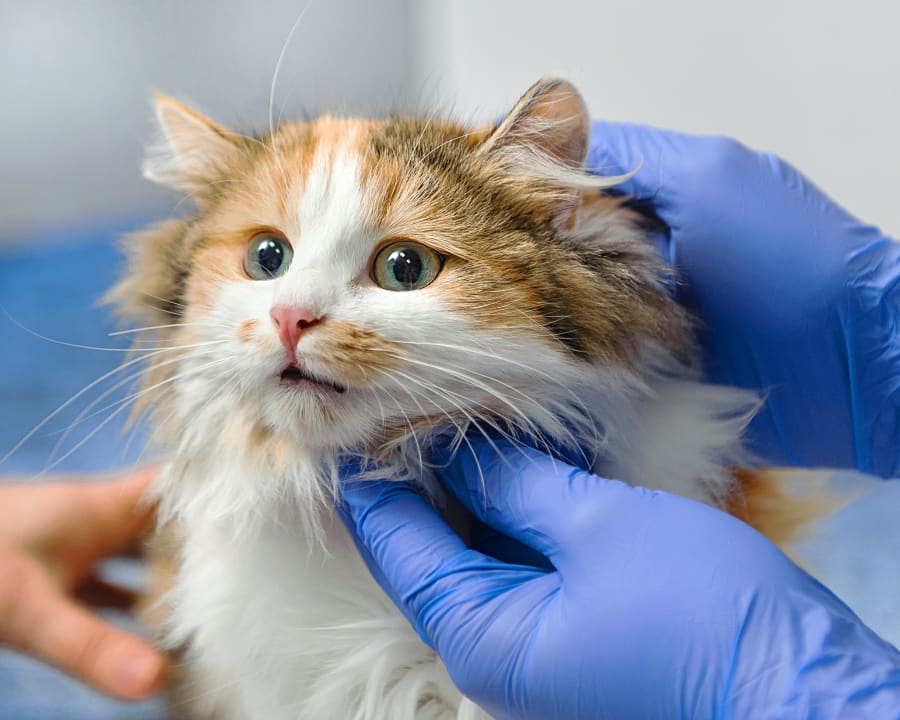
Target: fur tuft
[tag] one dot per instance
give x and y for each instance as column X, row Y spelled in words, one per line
column 545, row 139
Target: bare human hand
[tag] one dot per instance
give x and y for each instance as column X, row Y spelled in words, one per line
column 51, row 538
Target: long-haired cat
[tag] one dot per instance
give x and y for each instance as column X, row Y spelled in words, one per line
column 354, row 289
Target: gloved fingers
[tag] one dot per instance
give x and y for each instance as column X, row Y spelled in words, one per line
column 404, row 540
column 684, row 179
column 515, row 489
column 405, row 535
column 374, row 568
column 492, row 542
column 620, row 148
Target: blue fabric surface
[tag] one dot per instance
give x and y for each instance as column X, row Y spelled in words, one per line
column 50, row 285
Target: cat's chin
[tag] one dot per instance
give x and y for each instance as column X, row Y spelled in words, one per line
column 308, row 416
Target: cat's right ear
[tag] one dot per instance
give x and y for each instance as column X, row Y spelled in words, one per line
column 545, row 137
column 193, row 151
column 549, row 123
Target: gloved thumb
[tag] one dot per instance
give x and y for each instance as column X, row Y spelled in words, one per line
column 515, row 489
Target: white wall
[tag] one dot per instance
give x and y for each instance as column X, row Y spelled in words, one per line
column 817, row 82
column 76, row 79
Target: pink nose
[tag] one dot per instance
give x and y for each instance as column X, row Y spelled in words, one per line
column 292, row 322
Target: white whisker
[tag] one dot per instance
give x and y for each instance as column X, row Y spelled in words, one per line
column 124, row 404
column 529, row 426
column 77, row 395
column 83, row 416
column 166, row 327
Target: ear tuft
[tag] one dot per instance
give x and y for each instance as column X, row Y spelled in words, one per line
column 545, row 138
column 193, row 150
column 550, row 119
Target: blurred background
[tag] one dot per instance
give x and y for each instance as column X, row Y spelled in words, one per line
column 815, row 82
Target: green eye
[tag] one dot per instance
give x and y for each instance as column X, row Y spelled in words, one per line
column 268, row 256
column 405, row 265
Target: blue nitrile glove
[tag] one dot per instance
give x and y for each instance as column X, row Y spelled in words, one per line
column 798, row 298
column 659, row 607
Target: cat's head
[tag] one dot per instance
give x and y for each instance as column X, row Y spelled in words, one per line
column 351, row 283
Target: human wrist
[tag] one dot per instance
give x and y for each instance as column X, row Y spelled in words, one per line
column 801, row 653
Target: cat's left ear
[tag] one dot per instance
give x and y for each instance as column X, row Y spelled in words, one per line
column 549, row 126
column 193, row 152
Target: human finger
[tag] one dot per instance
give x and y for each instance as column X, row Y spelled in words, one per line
column 39, row 620
column 116, row 512
column 97, row 593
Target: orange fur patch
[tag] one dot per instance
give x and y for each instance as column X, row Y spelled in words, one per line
column 213, row 265
column 245, row 330
column 358, row 354
column 762, row 500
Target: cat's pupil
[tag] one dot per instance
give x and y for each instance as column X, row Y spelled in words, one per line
column 270, row 255
column 406, row 265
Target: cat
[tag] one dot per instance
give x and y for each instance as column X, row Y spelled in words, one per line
column 357, row 288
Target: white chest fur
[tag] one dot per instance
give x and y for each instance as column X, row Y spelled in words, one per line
column 279, row 630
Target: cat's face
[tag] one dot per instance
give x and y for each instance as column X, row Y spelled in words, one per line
column 355, row 281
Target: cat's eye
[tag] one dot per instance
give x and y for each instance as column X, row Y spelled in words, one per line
column 406, row 265
column 268, row 256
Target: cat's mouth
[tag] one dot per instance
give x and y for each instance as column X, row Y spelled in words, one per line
column 295, row 375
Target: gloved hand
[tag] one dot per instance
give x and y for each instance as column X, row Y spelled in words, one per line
column 797, row 297
column 658, row 607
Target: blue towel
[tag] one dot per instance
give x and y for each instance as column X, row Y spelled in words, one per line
column 51, row 285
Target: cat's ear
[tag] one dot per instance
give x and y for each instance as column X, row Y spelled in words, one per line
column 193, row 150
column 548, row 126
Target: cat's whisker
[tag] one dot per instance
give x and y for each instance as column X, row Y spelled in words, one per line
column 86, row 347
column 384, row 420
column 278, row 63
column 447, row 395
column 526, row 424
column 412, row 431
column 83, row 416
column 490, row 354
column 168, row 301
column 123, row 405
column 423, row 414
column 189, row 346
column 133, row 427
column 120, row 368
column 578, row 402
column 168, row 326
column 529, row 426
column 38, row 335
column 165, row 306
column 377, row 399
